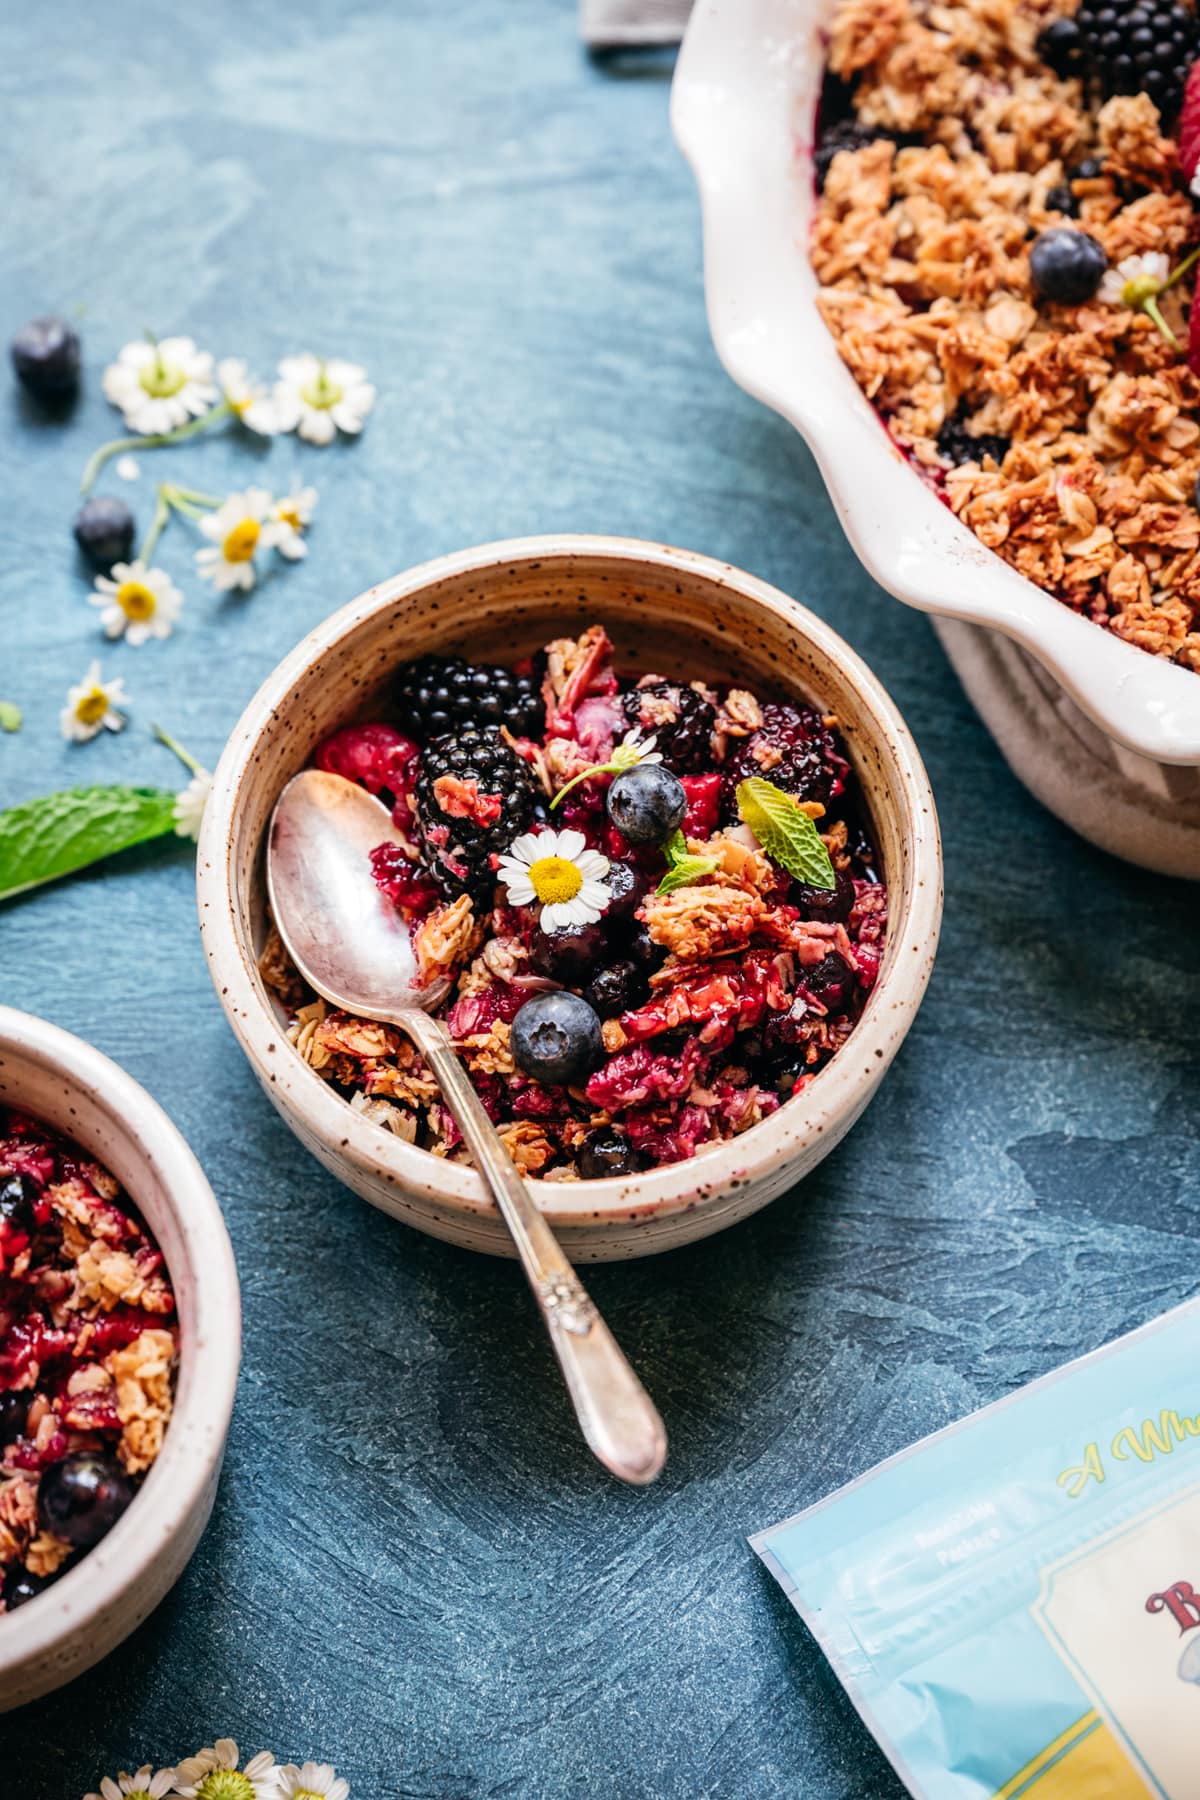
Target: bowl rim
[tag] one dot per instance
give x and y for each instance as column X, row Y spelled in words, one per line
column 599, row 1204
column 739, row 78
column 195, row 1439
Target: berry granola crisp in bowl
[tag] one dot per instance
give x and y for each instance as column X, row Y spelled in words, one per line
column 667, row 840
column 952, row 244
column 118, row 1355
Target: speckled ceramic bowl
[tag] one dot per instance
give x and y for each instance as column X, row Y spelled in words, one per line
column 669, row 611
column 88, row 1612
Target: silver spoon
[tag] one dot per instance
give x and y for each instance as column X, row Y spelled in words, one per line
column 353, row 948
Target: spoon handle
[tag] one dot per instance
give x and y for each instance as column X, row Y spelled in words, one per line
column 616, row 1414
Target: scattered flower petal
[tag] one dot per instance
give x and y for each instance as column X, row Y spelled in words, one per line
column 292, row 516
column 91, row 707
column 138, row 602
column 556, row 870
column 319, row 399
column 240, row 527
column 248, row 400
column 128, row 468
column 160, row 385
column 190, row 804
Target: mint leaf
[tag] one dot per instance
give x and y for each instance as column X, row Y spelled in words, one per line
column 10, row 716
column 59, row 833
column 787, row 835
column 682, row 867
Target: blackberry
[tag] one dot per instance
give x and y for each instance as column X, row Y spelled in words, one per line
column 680, row 719
column 437, row 694
column 474, row 796
column 957, row 445
column 1140, row 46
column 849, row 134
column 1061, row 199
column 795, row 749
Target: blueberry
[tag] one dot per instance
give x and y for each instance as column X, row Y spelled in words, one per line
column 1060, row 46
column 1061, row 199
column 647, row 803
column 568, row 955
column 556, row 1038
column 621, row 987
column 1090, row 169
column 1066, row 266
column 628, row 886
column 13, row 1411
column 82, row 1497
column 645, row 951
column 19, row 1586
column 832, row 906
column 45, row 355
column 831, row 983
column 606, row 1151
column 104, row 529
column 16, row 1202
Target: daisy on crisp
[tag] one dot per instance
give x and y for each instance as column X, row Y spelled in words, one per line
column 213, row 1774
column 292, row 516
column 190, row 804
column 139, row 602
column 319, row 399
column 147, row 1784
column 239, row 528
column 91, row 707
column 159, row 384
column 315, row 1781
column 1135, row 278
column 247, row 400
column 556, row 870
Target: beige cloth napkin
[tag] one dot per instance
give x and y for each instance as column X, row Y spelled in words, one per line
column 607, row 24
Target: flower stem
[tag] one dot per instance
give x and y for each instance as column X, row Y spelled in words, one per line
column 185, row 756
column 1181, row 271
column 222, row 410
column 162, row 512
column 1151, row 307
column 584, row 775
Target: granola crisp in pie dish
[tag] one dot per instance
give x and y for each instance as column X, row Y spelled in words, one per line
column 1004, row 239
column 658, row 901
column 88, row 1335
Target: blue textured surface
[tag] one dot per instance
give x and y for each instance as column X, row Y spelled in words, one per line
column 414, row 1570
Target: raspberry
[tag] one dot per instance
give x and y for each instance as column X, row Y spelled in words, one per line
column 1193, row 354
column 377, row 756
column 1189, row 125
column 794, row 749
column 703, row 805
column 406, row 884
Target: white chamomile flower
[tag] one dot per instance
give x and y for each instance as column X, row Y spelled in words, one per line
column 248, row 400
column 633, row 749
column 91, row 707
column 139, row 602
column 292, row 516
column 1128, row 283
column 213, row 1774
column 239, row 527
column 159, row 385
column 556, row 870
column 147, row 1784
column 315, row 1781
column 319, row 399
column 190, row 804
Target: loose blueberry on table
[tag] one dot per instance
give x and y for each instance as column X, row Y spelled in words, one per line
column 87, row 1355
column 1006, row 236
column 658, row 901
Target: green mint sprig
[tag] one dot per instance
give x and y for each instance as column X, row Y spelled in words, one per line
column 682, row 867
column 787, row 835
column 56, row 834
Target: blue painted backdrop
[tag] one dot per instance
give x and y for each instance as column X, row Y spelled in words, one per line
column 414, row 1570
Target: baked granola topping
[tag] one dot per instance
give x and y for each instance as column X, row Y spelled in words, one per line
column 88, row 1345
column 620, row 1001
column 1002, row 240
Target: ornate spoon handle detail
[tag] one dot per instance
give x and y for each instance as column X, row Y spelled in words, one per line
column 617, row 1416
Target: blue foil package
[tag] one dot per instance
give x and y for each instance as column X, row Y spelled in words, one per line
column 1014, row 1604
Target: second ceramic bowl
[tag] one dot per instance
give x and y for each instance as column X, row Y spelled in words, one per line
column 666, row 610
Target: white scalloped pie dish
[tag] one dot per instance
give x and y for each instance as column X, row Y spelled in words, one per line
column 743, row 103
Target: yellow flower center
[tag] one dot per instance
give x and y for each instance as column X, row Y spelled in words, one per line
column 136, row 600
column 287, row 515
column 225, row 1784
column 242, row 541
column 91, row 707
column 321, row 392
column 555, row 879
column 1141, row 288
column 161, row 379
